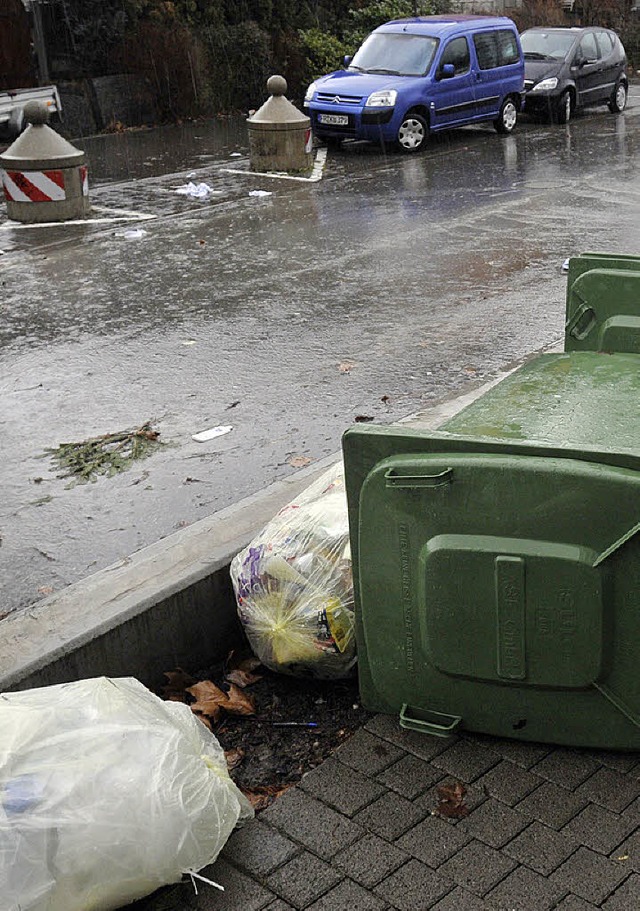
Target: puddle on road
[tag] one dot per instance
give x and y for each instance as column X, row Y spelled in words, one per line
column 140, row 153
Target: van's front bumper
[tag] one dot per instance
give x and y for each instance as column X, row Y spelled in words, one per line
column 372, row 123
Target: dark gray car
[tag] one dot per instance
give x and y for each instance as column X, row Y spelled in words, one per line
column 566, row 69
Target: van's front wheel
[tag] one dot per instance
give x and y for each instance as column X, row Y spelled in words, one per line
column 413, row 132
column 507, row 118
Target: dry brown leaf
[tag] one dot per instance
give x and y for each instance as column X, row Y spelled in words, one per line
column 205, row 690
column 262, row 797
column 346, row 367
column 178, row 681
column 210, row 699
column 207, row 707
column 234, row 758
column 45, row 589
column 241, row 677
column 239, row 703
column 299, row 461
column 451, row 797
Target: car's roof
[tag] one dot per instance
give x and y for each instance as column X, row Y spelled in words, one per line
column 444, row 24
column 559, row 28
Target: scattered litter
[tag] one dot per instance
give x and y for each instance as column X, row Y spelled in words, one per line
column 363, row 418
column 94, row 757
column 565, row 265
column 346, row 367
column 211, row 434
column 189, row 341
column 294, row 587
column 191, row 174
column 196, row 190
column 133, row 234
column 203, row 879
column 260, row 193
column 236, row 155
column 106, row 454
column 232, row 405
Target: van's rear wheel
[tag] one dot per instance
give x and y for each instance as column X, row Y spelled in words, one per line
column 413, row 132
column 507, row 117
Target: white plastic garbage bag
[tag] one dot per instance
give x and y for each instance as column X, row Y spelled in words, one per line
column 294, row 585
column 106, row 793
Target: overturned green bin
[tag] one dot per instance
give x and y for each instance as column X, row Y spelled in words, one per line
column 497, row 560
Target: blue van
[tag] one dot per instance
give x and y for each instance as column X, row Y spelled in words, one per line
column 413, row 76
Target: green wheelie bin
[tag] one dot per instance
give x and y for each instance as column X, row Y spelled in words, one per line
column 497, row 559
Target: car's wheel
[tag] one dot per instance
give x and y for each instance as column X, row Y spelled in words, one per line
column 619, row 98
column 413, row 132
column 563, row 108
column 507, row 117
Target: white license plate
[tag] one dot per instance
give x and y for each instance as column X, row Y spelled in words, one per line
column 334, row 120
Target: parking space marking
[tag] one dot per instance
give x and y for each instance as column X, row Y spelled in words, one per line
column 314, row 177
column 117, row 215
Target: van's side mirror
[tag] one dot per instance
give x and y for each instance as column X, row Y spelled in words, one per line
column 347, row 61
column 446, row 71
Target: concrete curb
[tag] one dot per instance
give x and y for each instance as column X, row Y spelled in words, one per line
column 169, row 604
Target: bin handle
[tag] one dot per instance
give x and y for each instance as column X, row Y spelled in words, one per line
column 410, row 481
column 435, row 723
column 571, row 326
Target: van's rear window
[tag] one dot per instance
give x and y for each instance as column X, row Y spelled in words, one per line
column 497, row 48
column 394, row 54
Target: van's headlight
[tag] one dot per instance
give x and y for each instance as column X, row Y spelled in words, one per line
column 386, row 99
column 545, row 85
column 309, row 93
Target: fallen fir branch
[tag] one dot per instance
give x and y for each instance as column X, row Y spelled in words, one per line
column 107, row 455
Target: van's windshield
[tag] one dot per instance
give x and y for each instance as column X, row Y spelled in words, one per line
column 395, row 55
column 551, row 45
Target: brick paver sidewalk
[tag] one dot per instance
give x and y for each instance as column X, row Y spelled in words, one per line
column 549, row 828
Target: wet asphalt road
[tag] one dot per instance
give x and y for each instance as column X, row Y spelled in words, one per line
column 389, row 284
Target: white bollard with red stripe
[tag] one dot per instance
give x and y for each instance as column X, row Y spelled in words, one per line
column 44, row 177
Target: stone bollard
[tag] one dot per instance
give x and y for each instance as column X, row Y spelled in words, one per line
column 44, row 176
column 279, row 134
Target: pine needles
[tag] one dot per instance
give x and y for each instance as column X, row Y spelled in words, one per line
column 105, row 455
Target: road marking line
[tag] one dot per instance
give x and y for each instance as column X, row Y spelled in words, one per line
column 125, row 213
column 316, row 173
column 119, row 215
